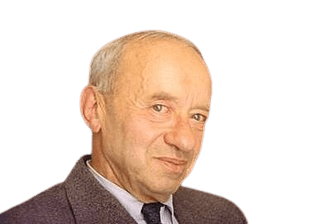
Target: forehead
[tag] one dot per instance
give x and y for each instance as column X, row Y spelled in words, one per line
column 142, row 52
column 165, row 66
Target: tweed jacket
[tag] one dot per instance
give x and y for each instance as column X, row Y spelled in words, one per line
column 80, row 199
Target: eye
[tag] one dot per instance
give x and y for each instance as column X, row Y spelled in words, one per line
column 199, row 117
column 159, row 108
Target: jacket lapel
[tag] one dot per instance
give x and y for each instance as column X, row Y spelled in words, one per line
column 90, row 202
column 181, row 209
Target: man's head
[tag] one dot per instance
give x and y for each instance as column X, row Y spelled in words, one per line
column 148, row 117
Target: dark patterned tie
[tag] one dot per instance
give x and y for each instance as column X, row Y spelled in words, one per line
column 151, row 213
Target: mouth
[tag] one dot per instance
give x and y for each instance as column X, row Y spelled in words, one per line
column 173, row 165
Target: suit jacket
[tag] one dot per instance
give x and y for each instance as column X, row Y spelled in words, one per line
column 81, row 199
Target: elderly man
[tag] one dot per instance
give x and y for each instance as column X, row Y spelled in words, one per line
column 146, row 104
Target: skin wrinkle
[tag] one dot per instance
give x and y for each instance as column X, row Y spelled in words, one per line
column 134, row 134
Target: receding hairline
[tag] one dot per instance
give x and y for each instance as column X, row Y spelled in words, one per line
column 157, row 35
column 106, row 62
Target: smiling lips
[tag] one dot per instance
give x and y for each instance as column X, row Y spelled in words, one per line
column 172, row 164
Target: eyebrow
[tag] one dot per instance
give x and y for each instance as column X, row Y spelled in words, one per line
column 205, row 108
column 169, row 97
column 164, row 96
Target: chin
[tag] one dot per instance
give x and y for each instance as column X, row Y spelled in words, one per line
column 159, row 188
column 166, row 187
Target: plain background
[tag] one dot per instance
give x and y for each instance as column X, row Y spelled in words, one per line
column 267, row 140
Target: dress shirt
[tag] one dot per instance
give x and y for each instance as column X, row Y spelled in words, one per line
column 131, row 204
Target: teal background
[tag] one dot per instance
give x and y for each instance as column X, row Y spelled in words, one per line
column 267, row 139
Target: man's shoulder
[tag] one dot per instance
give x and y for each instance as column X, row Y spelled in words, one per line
column 50, row 206
column 206, row 207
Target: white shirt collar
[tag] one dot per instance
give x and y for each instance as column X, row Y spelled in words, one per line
column 130, row 203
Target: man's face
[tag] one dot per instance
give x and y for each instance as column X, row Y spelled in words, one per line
column 154, row 125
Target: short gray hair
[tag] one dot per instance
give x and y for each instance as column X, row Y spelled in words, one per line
column 105, row 63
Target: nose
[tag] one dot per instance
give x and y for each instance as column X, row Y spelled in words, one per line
column 181, row 136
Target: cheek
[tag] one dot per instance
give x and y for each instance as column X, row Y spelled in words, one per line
column 196, row 151
column 193, row 159
column 141, row 132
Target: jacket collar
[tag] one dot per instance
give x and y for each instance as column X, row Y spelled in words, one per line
column 183, row 207
column 90, row 202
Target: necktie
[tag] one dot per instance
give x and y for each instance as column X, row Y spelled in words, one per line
column 151, row 213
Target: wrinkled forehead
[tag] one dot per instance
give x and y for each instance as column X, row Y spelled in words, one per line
column 164, row 65
column 139, row 53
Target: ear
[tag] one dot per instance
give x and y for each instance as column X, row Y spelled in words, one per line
column 91, row 107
